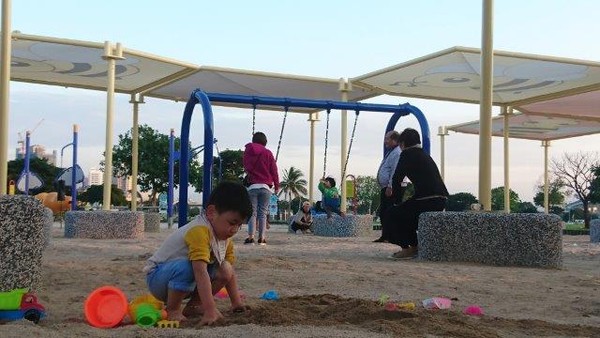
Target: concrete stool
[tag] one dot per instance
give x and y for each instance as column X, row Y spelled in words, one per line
column 104, row 224
column 22, row 220
column 349, row 226
column 491, row 238
column 151, row 222
column 595, row 231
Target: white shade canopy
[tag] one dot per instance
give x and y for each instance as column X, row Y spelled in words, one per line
column 73, row 63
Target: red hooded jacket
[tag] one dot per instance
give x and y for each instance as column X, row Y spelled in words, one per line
column 260, row 165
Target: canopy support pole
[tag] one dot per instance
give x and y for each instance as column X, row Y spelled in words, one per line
column 485, row 107
column 5, row 56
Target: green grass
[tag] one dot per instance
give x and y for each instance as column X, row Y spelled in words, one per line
column 574, row 226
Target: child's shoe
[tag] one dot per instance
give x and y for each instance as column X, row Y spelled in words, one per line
column 261, row 241
column 249, row 241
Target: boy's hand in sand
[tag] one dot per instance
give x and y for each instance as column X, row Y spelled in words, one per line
column 210, row 317
column 239, row 308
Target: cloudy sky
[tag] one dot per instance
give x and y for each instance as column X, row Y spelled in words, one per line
column 330, row 39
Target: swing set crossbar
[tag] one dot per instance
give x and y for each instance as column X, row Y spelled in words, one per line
column 291, row 102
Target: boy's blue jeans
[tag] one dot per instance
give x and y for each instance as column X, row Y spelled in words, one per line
column 176, row 275
column 331, row 205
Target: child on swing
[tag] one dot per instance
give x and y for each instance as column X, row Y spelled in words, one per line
column 331, row 196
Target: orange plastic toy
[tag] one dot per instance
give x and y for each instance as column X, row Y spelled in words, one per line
column 105, row 307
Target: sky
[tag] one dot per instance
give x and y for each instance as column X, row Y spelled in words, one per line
column 332, row 39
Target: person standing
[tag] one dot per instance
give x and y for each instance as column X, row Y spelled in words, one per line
column 261, row 170
column 388, row 196
column 430, row 193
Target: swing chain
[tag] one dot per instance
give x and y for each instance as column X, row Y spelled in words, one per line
column 253, row 117
column 326, row 140
column 350, row 145
column 281, row 133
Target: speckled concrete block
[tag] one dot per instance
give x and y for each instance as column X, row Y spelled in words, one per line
column 491, row 238
column 104, row 224
column 22, row 220
column 151, row 222
column 337, row 226
column 49, row 221
column 595, row 231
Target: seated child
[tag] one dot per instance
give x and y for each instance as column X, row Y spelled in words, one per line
column 302, row 220
column 331, row 196
column 196, row 260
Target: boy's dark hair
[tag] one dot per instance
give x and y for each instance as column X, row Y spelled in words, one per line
column 410, row 137
column 260, row 138
column 231, row 196
column 331, row 181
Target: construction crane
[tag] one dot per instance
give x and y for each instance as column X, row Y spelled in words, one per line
column 21, row 140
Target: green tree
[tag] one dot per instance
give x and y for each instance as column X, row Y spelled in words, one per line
column 461, row 201
column 153, row 162
column 576, row 170
column 368, row 192
column 95, row 194
column 46, row 171
column 231, row 165
column 526, row 207
column 293, row 185
column 556, row 195
column 498, row 199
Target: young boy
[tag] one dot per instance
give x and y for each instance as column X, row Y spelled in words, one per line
column 196, row 259
column 331, row 196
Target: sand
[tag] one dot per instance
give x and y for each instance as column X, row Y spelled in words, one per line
column 330, row 287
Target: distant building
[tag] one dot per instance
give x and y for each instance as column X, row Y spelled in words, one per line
column 96, row 177
column 37, row 151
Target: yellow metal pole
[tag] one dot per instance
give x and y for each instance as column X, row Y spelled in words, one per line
column 344, row 87
column 506, row 130
column 546, row 144
column 442, row 133
column 5, row 55
column 485, row 107
column 312, row 118
column 135, row 100
column 110, row 56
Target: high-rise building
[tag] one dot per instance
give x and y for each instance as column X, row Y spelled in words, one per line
column 39, row 151
column 96, row 177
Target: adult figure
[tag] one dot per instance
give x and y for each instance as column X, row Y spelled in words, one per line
column 261, row 170
column 303, row 219
column 388, row 196
column 430, row 193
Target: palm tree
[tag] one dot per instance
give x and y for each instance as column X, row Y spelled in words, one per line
column 293, row 184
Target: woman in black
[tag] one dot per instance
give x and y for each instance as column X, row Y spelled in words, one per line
column 430, row 193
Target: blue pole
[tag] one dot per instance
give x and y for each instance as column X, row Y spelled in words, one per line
column 410, row 109
column 184, row 156
column 171, row 173
column 26, row 165
column 74, row 171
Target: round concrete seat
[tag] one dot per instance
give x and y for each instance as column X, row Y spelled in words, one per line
column 104, row 224
column 348, row 226
column 595, row 231
column 151, row 222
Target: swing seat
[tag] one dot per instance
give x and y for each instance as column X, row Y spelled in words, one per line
column 347, row 226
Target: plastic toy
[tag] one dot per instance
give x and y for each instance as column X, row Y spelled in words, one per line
column 406, row 306
column 167, row 324
column 383, row 299
column 437, row 303
column 18, row 304
column 473, row 310
column 105, row 307
column 270, row 295
column 146, row 311
column 222, row 294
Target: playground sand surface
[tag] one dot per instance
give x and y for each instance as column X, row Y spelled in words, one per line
column 329, row 287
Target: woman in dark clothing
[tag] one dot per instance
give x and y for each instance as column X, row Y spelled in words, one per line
column 430, row 193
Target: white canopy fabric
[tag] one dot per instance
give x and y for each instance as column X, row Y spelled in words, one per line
column 454, row 75
column 73, row 63
column 584, row 106
column 534, row 127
